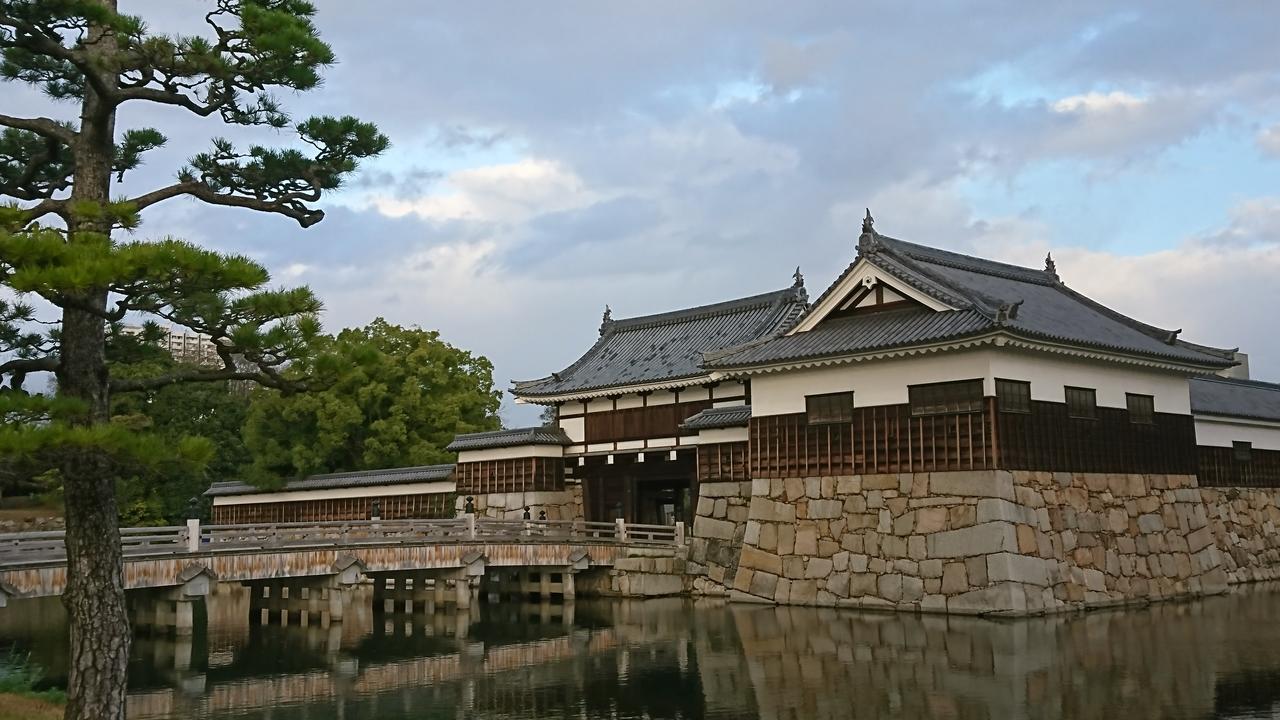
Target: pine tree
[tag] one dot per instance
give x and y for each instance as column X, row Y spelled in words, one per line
column 56, row 243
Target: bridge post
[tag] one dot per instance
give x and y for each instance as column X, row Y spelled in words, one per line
column 679, row 532
column 471, row 526
column 193, row 535
column 622, row 530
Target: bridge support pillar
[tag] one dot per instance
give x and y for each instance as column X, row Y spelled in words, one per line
column 462, row 590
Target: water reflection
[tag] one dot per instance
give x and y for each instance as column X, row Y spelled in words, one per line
column 1217, row 658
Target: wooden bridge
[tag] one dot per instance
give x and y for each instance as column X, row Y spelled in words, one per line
column 409, row 560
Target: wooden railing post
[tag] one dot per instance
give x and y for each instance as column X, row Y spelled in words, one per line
column 679, row 538
column 193, row 535
column 471, row 526
column 621, row 532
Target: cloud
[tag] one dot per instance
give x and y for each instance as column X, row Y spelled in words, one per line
column 1269, row 140
column 1095, row 102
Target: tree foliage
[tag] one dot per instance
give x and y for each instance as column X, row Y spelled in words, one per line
column 56, row 225
column 402, row 396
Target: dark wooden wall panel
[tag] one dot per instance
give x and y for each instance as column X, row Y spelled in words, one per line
column 1220, row 468
column 723, row 462
column 393, row 507
column 881, row 439
column 642, row 423
column 1048, row 439
column 532, row 474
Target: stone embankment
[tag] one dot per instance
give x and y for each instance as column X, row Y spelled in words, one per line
column 558, row 504
column 980, row 542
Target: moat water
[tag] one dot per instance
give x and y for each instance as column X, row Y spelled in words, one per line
column 1213, row 658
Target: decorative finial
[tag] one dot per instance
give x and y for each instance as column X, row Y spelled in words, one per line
column 799, row 278
column 1050, row 267
column 606, row 320
column 867, row 243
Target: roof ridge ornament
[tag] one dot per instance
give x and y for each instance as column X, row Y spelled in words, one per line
column 1051, row 267
column 607, row 319
column 799, row 278
column 1007, row 312
column 867, row 241
column 800, row 292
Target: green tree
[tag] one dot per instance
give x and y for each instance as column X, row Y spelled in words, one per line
column 402, row 396
column 56, row 242
column 214, row 411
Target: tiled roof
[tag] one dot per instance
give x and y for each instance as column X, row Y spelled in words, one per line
column 719, row 417
column 988, row 296
column 669, row 346
column 329, row 481
column 1235, row 398
column 509, row 438
column 845, row 336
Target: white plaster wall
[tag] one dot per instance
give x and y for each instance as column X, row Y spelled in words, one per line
column 875, row 382
column 662, row 397
column 729, row 403
column 1048, row 375
column 630, row 401
column 722, row 435
column 728, row 389
column 694, row 393
column 575, row 428
column 599, row 405
column 444, row 486
column 507, row 453
column 885, row 382
column 1222, row 432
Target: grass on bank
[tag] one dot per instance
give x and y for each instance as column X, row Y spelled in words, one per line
column 19, row 699
column 22, row 707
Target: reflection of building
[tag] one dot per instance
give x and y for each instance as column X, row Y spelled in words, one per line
column 184, row 345
column 412, row 492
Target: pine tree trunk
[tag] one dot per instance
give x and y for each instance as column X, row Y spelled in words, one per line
column 94, row 595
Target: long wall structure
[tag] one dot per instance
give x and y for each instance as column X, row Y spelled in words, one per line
column 934, row 432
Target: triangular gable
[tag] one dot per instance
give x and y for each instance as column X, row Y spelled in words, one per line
column 865, row 288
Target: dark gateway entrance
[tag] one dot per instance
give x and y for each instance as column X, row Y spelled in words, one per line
column 658, row 491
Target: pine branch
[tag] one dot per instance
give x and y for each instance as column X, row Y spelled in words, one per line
column 290, row 207
column 44, row 126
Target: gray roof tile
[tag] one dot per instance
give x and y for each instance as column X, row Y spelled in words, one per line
column 980, row 289
column 509, row 438
column 1251, row 399
column 328, row 481
column 669, row 346
column 719, row 417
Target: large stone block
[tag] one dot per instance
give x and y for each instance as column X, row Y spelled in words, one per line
column 711, row 528
column 973, row 483
column 760, row 560
column 817, row 568
column 723, row 489
column 1003, row 567
column 982, row 539
column 763, row 585
column 880, row 482
column 770, row 511
column 999, row 510
column 825, row 509
column 806, row 541
column 931, row 520
column 999, row 598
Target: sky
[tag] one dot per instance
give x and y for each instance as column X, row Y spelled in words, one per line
column 550, row 158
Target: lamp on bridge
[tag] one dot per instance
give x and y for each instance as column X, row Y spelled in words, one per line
column 527, row 516
column 470, row 507
column 375, row 511
column 193, row 508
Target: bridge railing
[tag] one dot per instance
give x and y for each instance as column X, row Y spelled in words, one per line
column 46, row 547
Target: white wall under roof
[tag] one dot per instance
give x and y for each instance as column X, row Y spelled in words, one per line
column 1217, row 431
column 441, row 486
column 507, row 453
column 885, row 382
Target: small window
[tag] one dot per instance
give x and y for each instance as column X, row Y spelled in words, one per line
column 1014, row 396
column 946, row 398
column 1142, row 408
column 830, row 408
column 1082, row 403
column 1243, row 451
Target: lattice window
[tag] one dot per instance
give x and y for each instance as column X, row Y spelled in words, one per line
column 1142, row 408
column 1014, row 396
column 1242, row 451
column 829, row 408
column 1082, row 403
column 961, row 396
